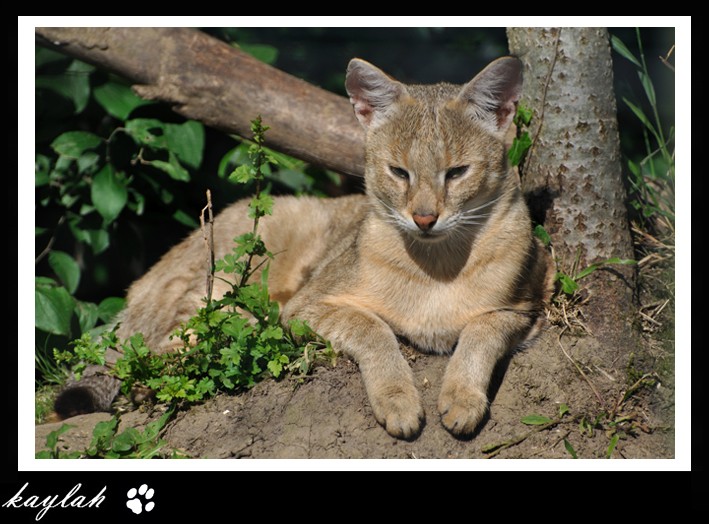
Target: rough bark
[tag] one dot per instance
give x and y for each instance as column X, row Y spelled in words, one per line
column 208, row 80
column 572, row 173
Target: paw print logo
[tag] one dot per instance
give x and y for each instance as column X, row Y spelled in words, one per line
column 135, row 504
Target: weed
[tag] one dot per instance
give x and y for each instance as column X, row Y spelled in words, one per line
column 522, row 142
column 230, row 343
column 108, row 443
column 653, row 177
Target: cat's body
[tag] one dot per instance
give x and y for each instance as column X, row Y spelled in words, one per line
column 439, row 251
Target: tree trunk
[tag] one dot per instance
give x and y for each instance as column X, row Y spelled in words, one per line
column 207, row 80
column 572, row 172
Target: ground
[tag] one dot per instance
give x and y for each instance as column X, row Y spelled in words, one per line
column 329, row 416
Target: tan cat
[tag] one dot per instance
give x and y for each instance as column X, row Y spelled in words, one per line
column 439, row 251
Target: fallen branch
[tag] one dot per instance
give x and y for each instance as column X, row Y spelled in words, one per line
column 208, row 80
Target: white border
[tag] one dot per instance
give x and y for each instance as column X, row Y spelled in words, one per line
column 26, row 113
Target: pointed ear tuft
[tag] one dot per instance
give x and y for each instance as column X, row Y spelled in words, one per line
column 372, row 92
column 494, row 93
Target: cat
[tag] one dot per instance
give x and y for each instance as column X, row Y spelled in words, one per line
column 439, row 251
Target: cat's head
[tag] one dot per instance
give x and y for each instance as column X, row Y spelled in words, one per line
column 434, row 153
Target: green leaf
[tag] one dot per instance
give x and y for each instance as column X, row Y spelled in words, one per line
column 66, row 269
column 186, row 141
column 73, row 84
column 149, row 132
column 39, row 230
column 570, row 449
column 563, row 408
column 612, row 445
column 523, row 116
column 98, row 240
column 235, row 157
column 242, row 174
column 108, row 194
column 87, row 162
column 237, row 327
column 42, row 165
column 118, row 100
column 265, row 53
column 45, row 282
column 593, row 267
column 53, row 436
column 87, row 313
column 283, row 160
column 43, row 56
column 109, row 308
column 542, row 234
column 272, row 333
column 186, row 219
column 125, row 441
column 535, row 420
column 172, row 168
column 519, row 147
column 103, row 433
column 634, row 168
column 568, row 284
column 73, row 143
column 648, row 87
column 53, row 308
column 296, row 180
column 623, row 51
column 261, row 205
column 275, row 367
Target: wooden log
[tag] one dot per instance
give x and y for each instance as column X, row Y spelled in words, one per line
column 206, row 79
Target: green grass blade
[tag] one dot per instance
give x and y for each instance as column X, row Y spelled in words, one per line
column 620, row 48
column 593, row 267
column 612, row 445
column 644, row 119
column 648, row 87
column 570, row 449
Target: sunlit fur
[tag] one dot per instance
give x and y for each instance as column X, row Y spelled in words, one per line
column 362, row 272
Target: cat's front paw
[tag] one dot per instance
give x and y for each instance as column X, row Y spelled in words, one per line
column 398, row 408
column 462, row 407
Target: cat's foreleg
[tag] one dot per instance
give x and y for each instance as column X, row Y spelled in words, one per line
column 387, row 377
column 483, row 343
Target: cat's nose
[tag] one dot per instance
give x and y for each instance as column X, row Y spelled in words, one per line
column 425, row 222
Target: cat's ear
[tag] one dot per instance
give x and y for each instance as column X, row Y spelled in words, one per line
column 372, row 92
column 493, row 94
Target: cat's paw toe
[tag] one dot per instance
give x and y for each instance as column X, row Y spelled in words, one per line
column 462, row 408
column 399, row 411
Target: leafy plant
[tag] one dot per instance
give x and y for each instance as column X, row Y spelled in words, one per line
column 522, row 142
column 569, row 281
column 569, row 284
column 108, row 443
column 652, row 177
column 230, row 343
column 95, row 161
column 105, row 157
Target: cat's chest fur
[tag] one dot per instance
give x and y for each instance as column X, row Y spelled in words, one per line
column 427, row 296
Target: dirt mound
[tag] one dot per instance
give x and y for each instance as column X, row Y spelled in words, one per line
column 329, row 415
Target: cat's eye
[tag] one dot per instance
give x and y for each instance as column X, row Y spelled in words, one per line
column 456, row 172
column 399, row 172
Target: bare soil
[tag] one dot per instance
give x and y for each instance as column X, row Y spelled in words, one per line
column 329, row 416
